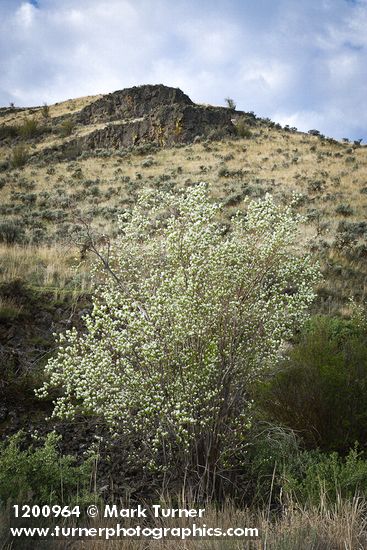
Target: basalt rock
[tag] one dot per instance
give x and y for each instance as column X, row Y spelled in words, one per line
column 165, row 126
column 132, row 103
column 158, row 115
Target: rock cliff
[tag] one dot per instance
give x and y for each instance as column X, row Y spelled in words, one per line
column 154, row 114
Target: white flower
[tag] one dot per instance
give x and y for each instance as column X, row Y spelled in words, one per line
column 169, row 352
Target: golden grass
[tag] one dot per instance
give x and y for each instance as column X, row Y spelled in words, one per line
column 67, row 107
column 339, row 527
column 248, row 155
column 273, row 160
column 72, row 105
column 42, row 266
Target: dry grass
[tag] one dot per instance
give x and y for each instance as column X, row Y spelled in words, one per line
column 272, row 160
column 72, row 105
column 342, row 527
column 67, row 107
column 9, row 308
column 49, row 267
column 339, row 527
column 258, row 158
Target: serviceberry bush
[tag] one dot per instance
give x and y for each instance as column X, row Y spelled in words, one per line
column 186, row 318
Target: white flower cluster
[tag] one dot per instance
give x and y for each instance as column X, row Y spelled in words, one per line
column 190, row 320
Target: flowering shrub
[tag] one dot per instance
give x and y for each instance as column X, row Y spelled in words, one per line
column 184, row 320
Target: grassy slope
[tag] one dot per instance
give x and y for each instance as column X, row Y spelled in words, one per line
column 46, row 199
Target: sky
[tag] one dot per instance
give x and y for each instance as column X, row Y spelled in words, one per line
column 298, row 62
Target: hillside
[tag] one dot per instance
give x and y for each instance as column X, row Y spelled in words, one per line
column 155, row 136
column 86, row 160
column 202, row 376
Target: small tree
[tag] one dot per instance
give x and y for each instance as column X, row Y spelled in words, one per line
column 185, row 320
column 230, row 103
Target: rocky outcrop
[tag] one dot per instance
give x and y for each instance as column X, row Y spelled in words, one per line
column 132, row 103
column 165, row 126
column 149, row 114
column 158, row 114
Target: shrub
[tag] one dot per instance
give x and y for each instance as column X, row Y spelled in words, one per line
column 242, row 128
column 23, row 183
column 29, row 129
column 344, row 210
column 320, row 389
column 45, row 111
column 11, row 232
column 148, row 162
column 187, row 320
column 66, row 128
column 8, row 131
column 233, row 199
column 347, row 233
column 223, row 172
column 72, row 151
column 316, row 476
column 271, row 451
column 40, row 473
column 9, row 309
column 316, row 186
column 19, row 156
column 278, row 468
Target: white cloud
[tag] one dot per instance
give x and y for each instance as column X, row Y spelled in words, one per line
column 269, row 76
column 303, row 120
column 302, row 62
column 25, row 15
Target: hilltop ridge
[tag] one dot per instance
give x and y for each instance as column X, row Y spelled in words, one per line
column 155, row 114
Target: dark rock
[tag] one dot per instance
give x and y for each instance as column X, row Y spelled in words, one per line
column 3, row 413
column 165, row 126
column 132, row 103
column 156, row 115
column 26, row 342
